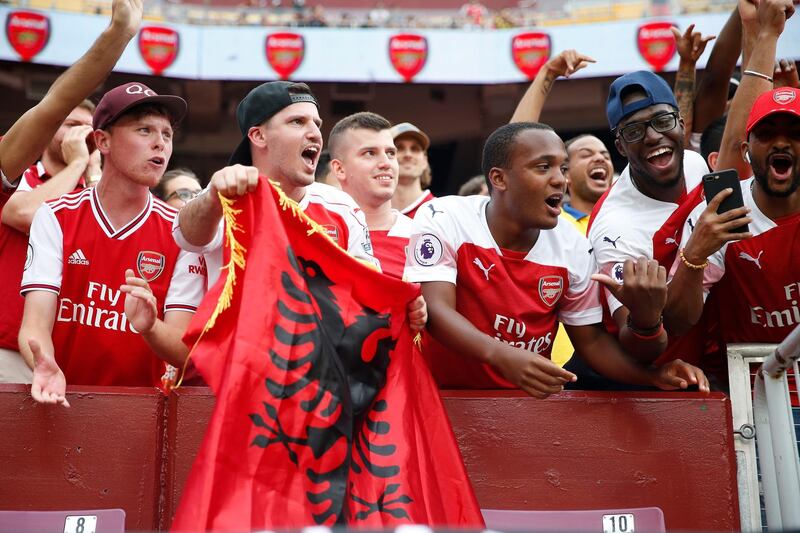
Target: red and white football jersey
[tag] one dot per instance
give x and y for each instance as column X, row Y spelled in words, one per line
column 77, row 254
column 13, row 246
column 756, row 281
column 331, row 208
column 514, row 297
column 625, row 221
column 390, row 245
column 411, row 209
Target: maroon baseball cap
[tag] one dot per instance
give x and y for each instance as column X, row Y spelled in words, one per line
column 783, row 100
column 121, row 99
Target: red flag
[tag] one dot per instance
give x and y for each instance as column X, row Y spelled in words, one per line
column 325, row 414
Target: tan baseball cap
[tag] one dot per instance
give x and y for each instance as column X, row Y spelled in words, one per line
column 407, row 129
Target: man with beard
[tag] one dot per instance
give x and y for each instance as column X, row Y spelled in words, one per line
column 364, row 160
column 588, row 178
column 755, row 280
column 643, row 115
column 412, row 154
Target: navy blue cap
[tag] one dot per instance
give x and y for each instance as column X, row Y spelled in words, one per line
column 656, row 89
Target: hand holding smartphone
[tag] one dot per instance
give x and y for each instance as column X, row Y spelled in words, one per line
column 716, row 182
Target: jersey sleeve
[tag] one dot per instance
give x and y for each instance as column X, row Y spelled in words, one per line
column 187, row 286
column 581, row 304
column 44, row 263
column 180, row 240
column 716, row 261
column 432, row 253
column 359, row 244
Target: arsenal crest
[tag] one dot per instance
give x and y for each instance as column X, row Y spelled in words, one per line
column 550, row 289
column 159, row 47
column 530, row 51
column 784, row 96
column 656, row 44
column 285, row 52
column 150, row 265
column 27, row 32
column 331, row 231
column 408, row 53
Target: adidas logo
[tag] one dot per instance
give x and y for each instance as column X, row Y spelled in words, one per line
column 77, row 258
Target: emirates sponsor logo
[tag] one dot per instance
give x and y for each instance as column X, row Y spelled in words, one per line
column 550, row 289
column 285, row 52
column 159, row 47
column 96, row 310
column 513, row 331
column 408, row 54
column 779, row 318
column 530, row 51
column 656, row 44
column 77, row 258
column 27, row 33
column 150, row 265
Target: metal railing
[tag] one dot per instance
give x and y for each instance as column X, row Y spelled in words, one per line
column 763, row 416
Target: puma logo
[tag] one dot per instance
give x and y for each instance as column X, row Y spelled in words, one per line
column 670, row 240
column 612, row 241
column 748, row 257
column 691, row 224
column 434, row 210
column 484, row 269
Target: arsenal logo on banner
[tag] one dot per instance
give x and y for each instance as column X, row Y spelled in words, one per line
column 656, row 44
column 159, row 47
column 27, row 32
column 150, row 265
column 408, row 53
column 530, row 51
column 285, row 52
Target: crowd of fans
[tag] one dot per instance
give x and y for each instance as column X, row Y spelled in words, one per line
column 543, row 276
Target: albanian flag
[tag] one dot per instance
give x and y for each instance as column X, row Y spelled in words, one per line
column 325, row 413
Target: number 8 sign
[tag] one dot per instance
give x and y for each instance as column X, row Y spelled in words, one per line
column 80, row 524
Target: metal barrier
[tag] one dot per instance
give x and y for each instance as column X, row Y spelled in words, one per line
column 767, row 419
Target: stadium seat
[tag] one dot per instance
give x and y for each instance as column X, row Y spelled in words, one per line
column 91, row 521
column 649, row 519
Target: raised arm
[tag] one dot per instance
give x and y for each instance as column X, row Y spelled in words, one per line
column 536, row 375
column 24, row 143
column 529, row 108
column 756, row 79
column 691, row 45
column 711, row 96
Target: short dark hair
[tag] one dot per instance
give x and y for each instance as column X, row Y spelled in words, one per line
column 575, row 139
column 160, row 189
column 364, row 120
column 88, row 105
column 711, row 139
column 497, row 149
column 323, row 165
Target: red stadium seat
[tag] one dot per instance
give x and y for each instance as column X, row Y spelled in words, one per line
column 649, row 519
column 91, row 521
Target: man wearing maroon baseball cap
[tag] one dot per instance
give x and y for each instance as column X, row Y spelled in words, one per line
column 107, row 291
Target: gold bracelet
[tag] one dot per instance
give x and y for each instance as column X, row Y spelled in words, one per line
column 758, row 75
column 692, row 266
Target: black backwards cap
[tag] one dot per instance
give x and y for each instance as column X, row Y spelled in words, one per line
column 261, row 104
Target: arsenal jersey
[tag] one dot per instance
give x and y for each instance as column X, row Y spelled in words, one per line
column 513, row 297
column 411, row 209
column 76, row 253
column 334, row 210
column 390, row 245
column 756, row 281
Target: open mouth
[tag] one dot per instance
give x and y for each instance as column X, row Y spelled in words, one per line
column 157, row 160
column 781, row 165
column 310, row 154
column 383, row 178
column 554, row 201
column 660, row 157
column 598, row 174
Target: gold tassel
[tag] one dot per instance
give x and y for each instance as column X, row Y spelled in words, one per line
column 237, row 260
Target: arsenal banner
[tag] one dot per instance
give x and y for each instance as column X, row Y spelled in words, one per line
column 325, row 413
column 27, row 32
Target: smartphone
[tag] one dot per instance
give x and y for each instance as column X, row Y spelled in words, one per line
column 716, row 182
